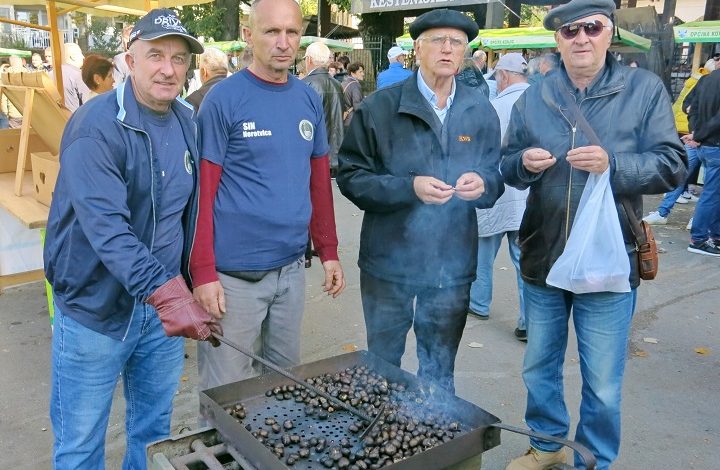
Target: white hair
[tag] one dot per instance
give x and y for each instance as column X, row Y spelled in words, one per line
column 318, row 53
column 213, row 60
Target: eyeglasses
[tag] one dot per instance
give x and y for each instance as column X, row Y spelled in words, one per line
column 439, row 41
column 592, row 29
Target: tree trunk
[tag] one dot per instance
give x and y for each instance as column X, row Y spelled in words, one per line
column 231, row 19
column 712, row 10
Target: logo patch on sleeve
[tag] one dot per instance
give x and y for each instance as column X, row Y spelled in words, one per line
column 307, row 131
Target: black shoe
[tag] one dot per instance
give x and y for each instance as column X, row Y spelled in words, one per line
column 478, row 315
column 521, row 335
column 706, row 247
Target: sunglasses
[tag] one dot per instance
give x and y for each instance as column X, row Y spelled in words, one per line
column 592, row 29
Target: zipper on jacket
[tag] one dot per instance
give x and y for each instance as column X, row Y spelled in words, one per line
column 152, row 200
column 569, row 189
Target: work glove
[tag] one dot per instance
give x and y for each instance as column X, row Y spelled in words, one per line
column 181, row 315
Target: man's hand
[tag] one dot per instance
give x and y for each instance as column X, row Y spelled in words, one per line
column 211, row 297
column 688, row 140
column 469, row 186
column 536, row 160
column 181, row 315
column 592, row 159
column 431, row 190
column 334, row 278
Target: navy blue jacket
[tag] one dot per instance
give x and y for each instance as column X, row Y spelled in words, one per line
column 98, row 249
column 394, row 136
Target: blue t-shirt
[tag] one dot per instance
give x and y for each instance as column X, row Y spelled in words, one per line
column 263, row 135
column 176, row 184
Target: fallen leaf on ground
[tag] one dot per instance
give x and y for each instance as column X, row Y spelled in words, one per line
column 184, row 378
column 503, row 268
column 650, row 340
column 349, row 347
column 703, row 351
column 640, row 354
column 475, row 345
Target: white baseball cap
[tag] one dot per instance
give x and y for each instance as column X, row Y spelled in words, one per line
column 395, row 51
column 512, row 62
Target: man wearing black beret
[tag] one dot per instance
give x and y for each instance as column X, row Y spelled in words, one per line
column 631, row 134
column 418, row 158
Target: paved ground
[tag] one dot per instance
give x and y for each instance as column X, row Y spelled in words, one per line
column 670, row 412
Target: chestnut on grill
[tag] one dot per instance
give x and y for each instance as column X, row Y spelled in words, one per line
column 288, row 424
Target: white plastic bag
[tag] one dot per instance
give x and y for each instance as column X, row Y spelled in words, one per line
column 594, row 258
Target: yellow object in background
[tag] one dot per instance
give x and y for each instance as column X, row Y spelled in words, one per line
column 681, row 119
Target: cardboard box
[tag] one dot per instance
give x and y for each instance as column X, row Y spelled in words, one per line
column 10, row 145
column 45, row 168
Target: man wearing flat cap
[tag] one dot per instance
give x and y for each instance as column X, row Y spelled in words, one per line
column 418, row 158
column 630, row 133
column 119, row 234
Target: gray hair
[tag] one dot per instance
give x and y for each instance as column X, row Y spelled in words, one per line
column 213, row 60
column 550, row 59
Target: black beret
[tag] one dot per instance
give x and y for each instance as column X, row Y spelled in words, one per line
column 444, row 18
column 576, row 9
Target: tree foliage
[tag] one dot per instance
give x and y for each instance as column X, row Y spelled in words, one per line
column 105, row 38
column 202, row 20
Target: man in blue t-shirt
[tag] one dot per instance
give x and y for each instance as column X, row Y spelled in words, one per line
column 396, row 71
column 264, row 179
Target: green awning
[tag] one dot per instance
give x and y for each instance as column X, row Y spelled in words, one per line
column 536, row 37
column 8, row 52
column 540, row 38
column 228, row 46
column 698, row 31
column 332, row 44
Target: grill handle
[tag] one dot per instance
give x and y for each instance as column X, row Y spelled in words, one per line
column 578, row 448
column 284, row 373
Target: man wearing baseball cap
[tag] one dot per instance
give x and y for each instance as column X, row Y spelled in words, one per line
column 418, row 158
column 119, row 234
column 591, row 116
column 396, row 71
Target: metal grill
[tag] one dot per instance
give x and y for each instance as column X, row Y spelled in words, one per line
column 477, row 438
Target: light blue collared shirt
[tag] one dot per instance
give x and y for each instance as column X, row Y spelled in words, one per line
column 432, row 98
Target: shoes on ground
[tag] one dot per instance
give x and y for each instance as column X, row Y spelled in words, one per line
column 654, row 218
column 682, row 200
column 480, row 316
column 689, row 197
column 521, row 335
column 689, row 225
column 706, row 247
column 537, row 460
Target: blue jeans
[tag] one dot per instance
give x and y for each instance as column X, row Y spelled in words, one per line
column 85, row 369
column 481, row 289
column 668, row 201
column 437, row 315
column 706, row 221
column 602, row 325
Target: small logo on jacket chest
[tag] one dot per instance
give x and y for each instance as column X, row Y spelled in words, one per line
column 464, row 138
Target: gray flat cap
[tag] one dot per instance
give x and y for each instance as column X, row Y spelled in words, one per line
column 444, row 18
column 576, row 9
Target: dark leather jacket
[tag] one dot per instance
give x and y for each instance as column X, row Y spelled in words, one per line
column 332, row 96
column 394, row 136
column 630, row 112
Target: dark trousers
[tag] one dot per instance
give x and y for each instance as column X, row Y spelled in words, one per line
column 438, row 319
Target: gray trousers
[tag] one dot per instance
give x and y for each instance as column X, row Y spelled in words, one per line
column 264, row 317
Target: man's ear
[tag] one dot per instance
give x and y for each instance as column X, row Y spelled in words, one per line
column 130, row 61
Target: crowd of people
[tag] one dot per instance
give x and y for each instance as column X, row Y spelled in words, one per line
column 193, row 217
